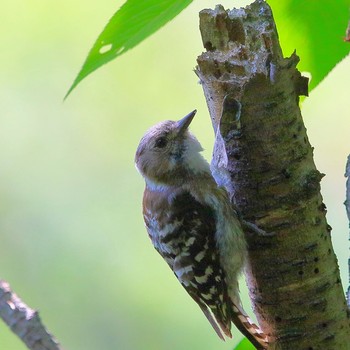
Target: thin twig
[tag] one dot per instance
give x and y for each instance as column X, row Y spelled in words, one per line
column 24, row 321
column 347, row 206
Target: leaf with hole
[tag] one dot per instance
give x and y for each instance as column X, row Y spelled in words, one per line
column 132, row 23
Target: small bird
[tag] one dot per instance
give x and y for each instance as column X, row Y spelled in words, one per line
column 193, row 226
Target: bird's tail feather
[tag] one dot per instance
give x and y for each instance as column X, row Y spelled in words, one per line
column 248, row 328
column 222, row 324
column 213, row 323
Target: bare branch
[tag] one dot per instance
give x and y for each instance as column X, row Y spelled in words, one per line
column 347, row 205
column 24, row 321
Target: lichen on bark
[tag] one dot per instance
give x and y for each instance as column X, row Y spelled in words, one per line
column 263, row 157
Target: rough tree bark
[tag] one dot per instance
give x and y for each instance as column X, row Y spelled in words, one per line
column 263, row 157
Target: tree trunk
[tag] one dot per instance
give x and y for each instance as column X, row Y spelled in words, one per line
column 263, row 157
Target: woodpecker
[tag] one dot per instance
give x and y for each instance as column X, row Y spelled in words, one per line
column 193, row 226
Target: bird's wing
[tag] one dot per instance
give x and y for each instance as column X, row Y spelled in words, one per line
column 196, row 261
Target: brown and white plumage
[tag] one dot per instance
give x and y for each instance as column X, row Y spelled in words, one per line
column 192, row 225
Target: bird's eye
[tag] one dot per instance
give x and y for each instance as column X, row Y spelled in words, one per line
column 161, row 142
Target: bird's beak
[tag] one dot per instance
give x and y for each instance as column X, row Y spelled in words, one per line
column 184, row 123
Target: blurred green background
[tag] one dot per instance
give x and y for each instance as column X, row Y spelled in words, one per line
column 73, row 244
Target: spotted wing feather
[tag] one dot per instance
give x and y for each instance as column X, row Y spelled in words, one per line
column 184, row 234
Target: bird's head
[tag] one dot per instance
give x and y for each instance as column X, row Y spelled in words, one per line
column 169, row 153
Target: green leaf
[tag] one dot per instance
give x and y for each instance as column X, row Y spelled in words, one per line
column 316, row 30
column 132, row 23
column 245, row 344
